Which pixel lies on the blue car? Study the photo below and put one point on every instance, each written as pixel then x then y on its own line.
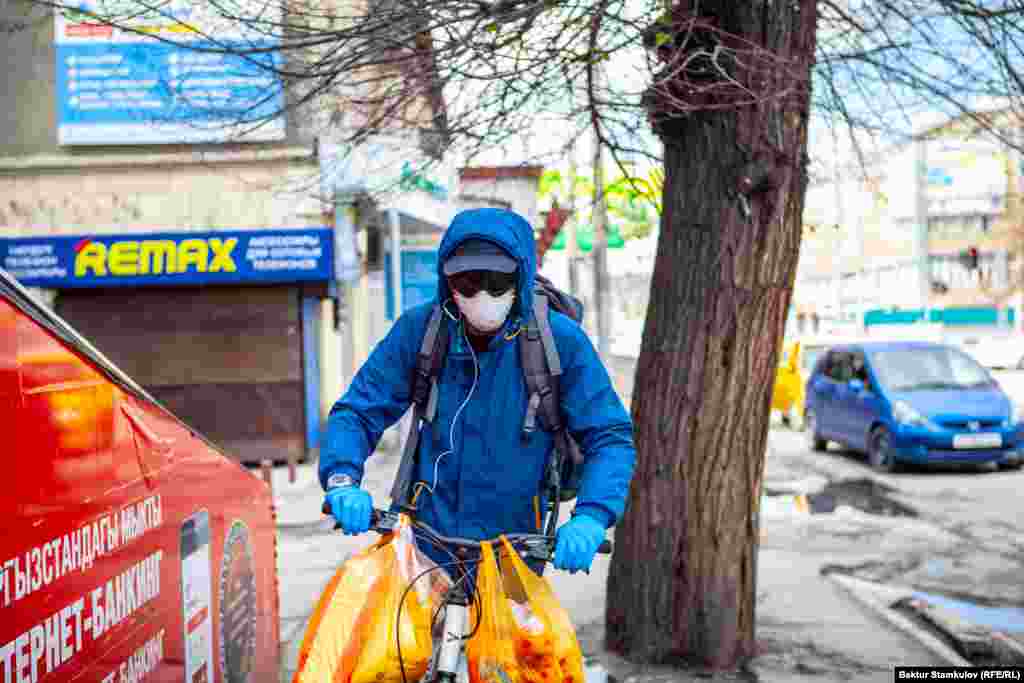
pixel 911 402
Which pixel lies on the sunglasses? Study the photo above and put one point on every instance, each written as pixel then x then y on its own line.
pixel 469 282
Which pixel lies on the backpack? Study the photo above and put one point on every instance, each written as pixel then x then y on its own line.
pixel 542 371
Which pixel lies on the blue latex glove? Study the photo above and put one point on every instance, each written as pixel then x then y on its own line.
pixel 351 506
pixel 576 542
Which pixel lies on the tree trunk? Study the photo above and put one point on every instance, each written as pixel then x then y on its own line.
pixel 682 582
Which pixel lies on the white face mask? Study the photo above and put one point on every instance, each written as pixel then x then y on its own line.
pixel 484 312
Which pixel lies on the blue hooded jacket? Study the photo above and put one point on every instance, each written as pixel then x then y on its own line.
pixel 486 476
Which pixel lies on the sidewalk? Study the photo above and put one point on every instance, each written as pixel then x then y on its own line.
pixel 809 626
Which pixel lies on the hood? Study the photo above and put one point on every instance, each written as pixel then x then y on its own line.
pixel 972 404
pixel 508 230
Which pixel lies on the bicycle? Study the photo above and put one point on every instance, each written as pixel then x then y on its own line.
pixel 448 649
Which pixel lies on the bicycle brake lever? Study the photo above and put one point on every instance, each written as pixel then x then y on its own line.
pixel 546 552
pixel 381 521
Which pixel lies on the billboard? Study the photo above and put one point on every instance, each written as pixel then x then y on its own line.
pixel 177 73
pixel 176 259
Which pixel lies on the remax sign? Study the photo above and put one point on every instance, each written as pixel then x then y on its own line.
pixel 193 258
pixel 144 257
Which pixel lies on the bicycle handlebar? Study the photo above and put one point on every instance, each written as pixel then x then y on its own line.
pixel 538 546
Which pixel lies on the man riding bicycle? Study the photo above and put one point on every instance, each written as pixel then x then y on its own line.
pixel 477 472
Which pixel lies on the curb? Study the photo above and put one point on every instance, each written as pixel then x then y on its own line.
pixel 1008 649
pixel 289 648
pixel 866 593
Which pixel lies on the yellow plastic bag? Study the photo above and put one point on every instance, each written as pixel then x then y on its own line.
pixel 351 635
pixel 529 640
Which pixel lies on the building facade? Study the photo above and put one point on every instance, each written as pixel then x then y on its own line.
pixel 930 226
pixel 198 253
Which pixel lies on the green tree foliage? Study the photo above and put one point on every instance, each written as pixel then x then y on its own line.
pixel 634 201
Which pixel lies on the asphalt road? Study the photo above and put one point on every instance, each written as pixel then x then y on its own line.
pixel 958 533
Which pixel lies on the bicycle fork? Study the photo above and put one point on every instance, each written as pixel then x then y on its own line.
pixel 445 666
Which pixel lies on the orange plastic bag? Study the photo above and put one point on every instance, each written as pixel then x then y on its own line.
pixel 351 637
pixel 524 640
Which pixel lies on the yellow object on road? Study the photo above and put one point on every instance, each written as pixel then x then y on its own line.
pixel 788 393
pixel 782 505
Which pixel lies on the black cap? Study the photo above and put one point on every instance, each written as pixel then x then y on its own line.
pixel 476 254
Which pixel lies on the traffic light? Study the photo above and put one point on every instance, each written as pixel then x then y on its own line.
pixel 553 222
pixel 969 258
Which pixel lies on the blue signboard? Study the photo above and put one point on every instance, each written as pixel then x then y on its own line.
pixel 177 259
pixel 173 74
pixel 419 279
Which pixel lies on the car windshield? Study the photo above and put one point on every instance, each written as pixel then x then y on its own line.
pixel 924 368
pixel 810 357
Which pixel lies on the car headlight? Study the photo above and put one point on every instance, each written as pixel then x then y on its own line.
pixel 904 414
pixel 1016 414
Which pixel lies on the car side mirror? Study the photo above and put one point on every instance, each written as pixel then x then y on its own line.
pixel 856 385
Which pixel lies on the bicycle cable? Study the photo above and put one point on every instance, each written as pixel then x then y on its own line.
pixel 398 618
pixel 405 593
pixel 433 538
pixel 461 564
pixel 455 419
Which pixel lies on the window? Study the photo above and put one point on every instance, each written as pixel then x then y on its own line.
pixel 915 369
pixel 958 226
pixel 839 367
pixel 810 356
pixel 859 369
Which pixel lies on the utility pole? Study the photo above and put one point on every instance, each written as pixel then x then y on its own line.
pixel 396 262
pixel 921 231
pixel 571 246
pixel 342 182
pixel 348 271
pixel 339 188
pixel 837 261
pixel 600 221
pixel 395 225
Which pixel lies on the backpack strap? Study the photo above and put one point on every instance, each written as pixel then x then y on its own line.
pixel 539 382
pixel 540 309
pixel 542 371
pixel 429 362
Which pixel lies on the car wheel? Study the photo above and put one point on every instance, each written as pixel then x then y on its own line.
pixel 795 420
pixel 880 452
pixel 814 440
pixel 1011 465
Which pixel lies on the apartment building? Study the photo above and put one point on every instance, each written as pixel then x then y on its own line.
pixel 951 200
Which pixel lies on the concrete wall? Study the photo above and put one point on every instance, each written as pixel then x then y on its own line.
pixel 27 110
pixel 56 199
pixel 519 193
